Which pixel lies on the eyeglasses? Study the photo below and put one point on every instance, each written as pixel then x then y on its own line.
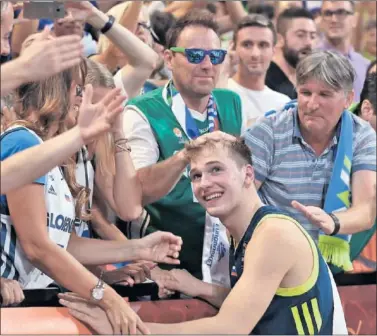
pixel 339 13
pixel 197 56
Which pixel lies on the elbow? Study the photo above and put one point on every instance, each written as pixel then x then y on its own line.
pixel 35 251
pixel 371 215
pixel 130 214
pixel 151 63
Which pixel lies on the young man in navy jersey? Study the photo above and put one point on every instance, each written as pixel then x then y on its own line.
pixel 280 282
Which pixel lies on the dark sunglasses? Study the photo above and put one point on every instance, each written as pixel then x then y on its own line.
pixel 197 56
pixel 340 13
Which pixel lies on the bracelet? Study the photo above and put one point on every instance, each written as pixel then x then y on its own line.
pixel 108 24
pixel 121 140
pixel 120 149
pixel 337 224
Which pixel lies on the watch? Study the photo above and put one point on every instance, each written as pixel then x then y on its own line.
pixel 99 290
pixel 336 224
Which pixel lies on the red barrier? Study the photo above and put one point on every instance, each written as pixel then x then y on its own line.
pixel 57 321
pixel 359 305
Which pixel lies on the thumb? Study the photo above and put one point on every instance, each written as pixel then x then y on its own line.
pixel 45 33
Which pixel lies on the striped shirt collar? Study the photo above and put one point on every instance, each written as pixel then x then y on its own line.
pixel 297 132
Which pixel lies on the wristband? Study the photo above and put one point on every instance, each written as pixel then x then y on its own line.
pixel 108 24
pixel 337 224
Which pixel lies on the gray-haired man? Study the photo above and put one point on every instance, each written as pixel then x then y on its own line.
pixel 295 151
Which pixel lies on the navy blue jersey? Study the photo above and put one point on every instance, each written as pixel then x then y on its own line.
pixel 304 310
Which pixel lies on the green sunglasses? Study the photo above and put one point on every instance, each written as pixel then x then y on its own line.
pixel 197 56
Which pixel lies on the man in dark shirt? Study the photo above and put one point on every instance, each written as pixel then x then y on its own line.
pixel 297 36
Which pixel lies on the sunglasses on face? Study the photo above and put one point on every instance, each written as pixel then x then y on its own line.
pixel 197 56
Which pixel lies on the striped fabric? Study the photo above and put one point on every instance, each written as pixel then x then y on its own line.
pixel 288 167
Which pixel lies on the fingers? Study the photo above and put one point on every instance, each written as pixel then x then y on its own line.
pixel 113 322
pixel 87 95
pixel 300 207
pixel 6 295
pixel 119 101
pixel 11 292
pixel 132 327
pixel 18 294
pixel 142 327
pixel 73 297
pixel 110 97
pixel 80 316
pixel 111 115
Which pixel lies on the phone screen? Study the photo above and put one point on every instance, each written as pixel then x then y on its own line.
pixel 44 10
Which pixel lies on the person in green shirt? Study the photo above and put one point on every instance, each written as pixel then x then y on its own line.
pixel 157 126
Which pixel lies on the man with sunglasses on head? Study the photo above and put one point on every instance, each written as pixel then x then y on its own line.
pixel 338 24
pixel 158 125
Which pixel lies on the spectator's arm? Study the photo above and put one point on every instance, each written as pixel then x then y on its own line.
pixel 105 229
pixel 43 58
pixel 156 183
pixel 126 202
pixel 235 10
pixel 28 209
pixel 225 24
pixel 13 74
pixel 20 32
pixel 141 58
pixel 362 214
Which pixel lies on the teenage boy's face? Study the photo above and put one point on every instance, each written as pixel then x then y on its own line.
pixel 218 181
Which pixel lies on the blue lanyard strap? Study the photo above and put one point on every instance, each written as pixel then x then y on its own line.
pixel 191 126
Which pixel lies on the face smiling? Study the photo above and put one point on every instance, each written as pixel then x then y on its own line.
pixel 218 181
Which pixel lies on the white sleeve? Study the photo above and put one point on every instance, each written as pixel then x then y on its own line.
pixel 141 139
pixel 119 82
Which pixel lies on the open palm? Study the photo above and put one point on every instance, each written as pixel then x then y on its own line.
pixel 98 118
pixel 161 247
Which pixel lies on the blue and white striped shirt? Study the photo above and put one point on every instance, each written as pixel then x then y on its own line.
pixel 289 169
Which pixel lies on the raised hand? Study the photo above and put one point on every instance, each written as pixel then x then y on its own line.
pixel 161 247
pixel 98 118
pixel 78 10
pixel 47 56
pixel 316 216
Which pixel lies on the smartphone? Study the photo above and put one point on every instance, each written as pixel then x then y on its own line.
pixel 44 10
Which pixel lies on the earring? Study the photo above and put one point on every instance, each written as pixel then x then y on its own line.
pixel 76 108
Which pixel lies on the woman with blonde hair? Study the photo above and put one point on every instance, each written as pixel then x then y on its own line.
pixel 104 167
pixel 37 256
